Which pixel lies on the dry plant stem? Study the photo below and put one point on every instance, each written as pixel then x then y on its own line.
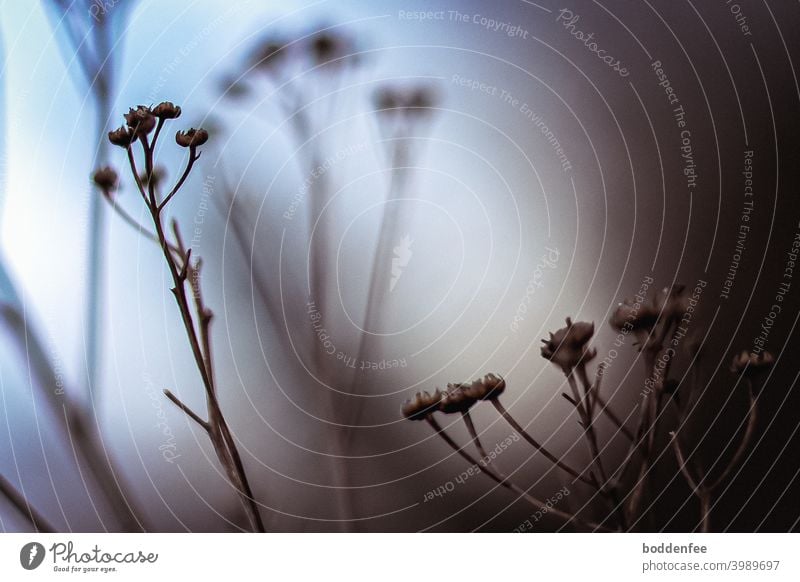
pixel 243 241
pixel 467 417
pixel 74 421
pixel 38 521
pixel 605 408
pixel 301 124
pixel 178 260
pixel 650 411
pixel 378 284
pixel 317 275
pixel 588 427
pixel 318 278
pixel 702 493
pixel 535 444
pixel 705 512
pixel 591 434
pixel 702 490
pixel 752 421
pixel 569 518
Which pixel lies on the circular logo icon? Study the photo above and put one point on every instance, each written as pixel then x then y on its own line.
pixel 31 555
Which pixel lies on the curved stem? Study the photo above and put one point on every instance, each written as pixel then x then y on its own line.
pixel 705 511
pixel 752 421
pixel 605 408
pixel 588 428
pixel 550 457
pixel 193 157
pixel 682 463
pixel 597 399
pixel 467 417
pixel 507 484
pixel 197 334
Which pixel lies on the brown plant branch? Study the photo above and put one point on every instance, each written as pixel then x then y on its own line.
pixel 196 323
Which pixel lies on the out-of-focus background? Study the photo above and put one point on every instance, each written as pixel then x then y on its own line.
pixel 535 182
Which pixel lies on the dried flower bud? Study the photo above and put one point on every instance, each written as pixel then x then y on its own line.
pixel 324 47
pixel 121 137
pixel 420 101
pixel 140 121
pixel 487 388
pixel 421 405
pixel 455 399
pixel 567 347
pixel 268 56
pixel 633 316
pixel 106 179
pixel 387 100
pixel 191 138
pixel 751 364
pixel 167 110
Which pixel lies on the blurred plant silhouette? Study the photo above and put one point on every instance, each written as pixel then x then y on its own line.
pixel 87 42
pixel 618 495
pixel 305 75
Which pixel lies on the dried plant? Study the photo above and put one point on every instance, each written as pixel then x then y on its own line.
pixel 657 326
pixel 304 75
pixel 89 35
pixel 402 113
pixel 141 123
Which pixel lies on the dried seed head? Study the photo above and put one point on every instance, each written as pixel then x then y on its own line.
pixel 268 56
pixel 387 100
pixel 455 399
pixel 567 347
pixel 106 180
pixel 633 316
pixel 140 121
pixel 324 47
pixel 167 110
pixel 121 137
pixel 420 101
pixel 421 405
pixel 488 388
pixel 191 138
pixel 751 364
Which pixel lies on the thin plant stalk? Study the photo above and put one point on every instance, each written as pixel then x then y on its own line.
pixel 196 322
pixel 539 505
pixel 649 415
pixel 700 488
pixel 605 408
pixel 591 436
pixel 587 421
pixel 752 421
pixel 378 284
pixel 702 493
pixel 72 419
pixel 539 447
